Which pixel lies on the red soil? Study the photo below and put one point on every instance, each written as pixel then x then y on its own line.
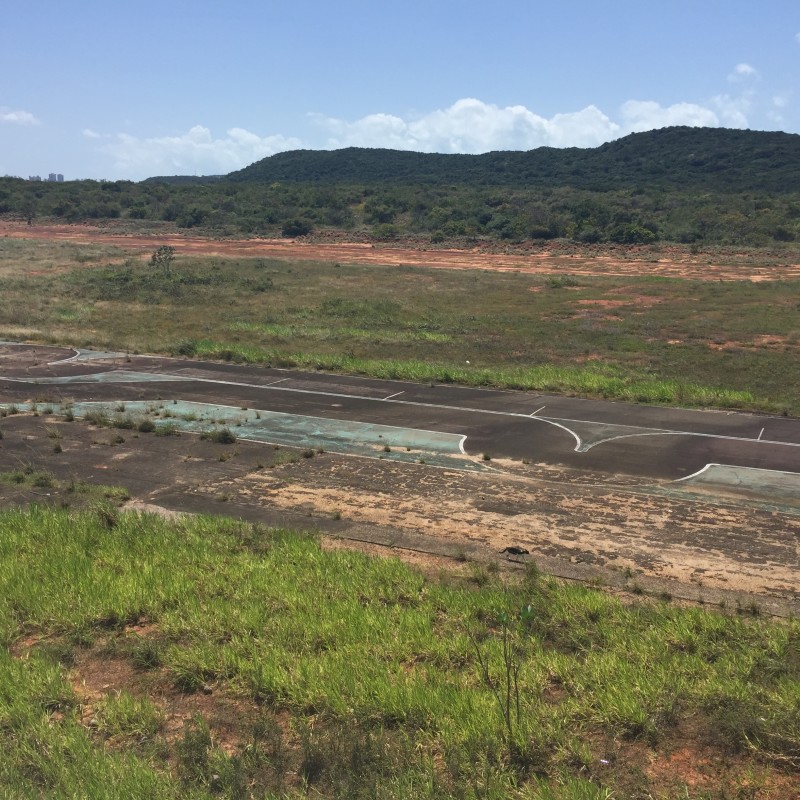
pixel 670 261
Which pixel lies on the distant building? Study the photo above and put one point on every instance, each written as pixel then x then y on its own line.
pixel 34 177
pixel 51 177
pixel 60 178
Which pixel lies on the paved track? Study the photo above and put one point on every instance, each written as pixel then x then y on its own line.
pixel 604 437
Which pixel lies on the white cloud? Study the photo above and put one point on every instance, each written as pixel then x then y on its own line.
pixel 17 117
pixel 779 103
pixel 742 72
pixel 467 126
pixel 194 152
pixel 733 111
pixel 646 115
pixel 472 126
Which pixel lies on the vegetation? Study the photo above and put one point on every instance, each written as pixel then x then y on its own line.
pixel 207 658
pixel 302 672
pixel 79 491
pixel 690 185
pixel 732 344
pixel 709 159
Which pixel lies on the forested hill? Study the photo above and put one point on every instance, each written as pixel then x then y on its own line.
pixel 714 159
pixel 688 185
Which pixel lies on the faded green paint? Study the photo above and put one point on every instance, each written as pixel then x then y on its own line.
pixel 114 376
pixel 293 430
pixel 749 480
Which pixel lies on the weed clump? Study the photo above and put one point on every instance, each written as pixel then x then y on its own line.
pixel 219 436
pixel 97 418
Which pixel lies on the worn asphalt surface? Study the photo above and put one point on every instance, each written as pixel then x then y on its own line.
pixel 600 436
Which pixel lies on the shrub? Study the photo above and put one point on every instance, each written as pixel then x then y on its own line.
pixel 296 227
pixel 219 436
pixel 185 348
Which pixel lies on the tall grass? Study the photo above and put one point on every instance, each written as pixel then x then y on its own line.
pixel 603 382
pixel 363 651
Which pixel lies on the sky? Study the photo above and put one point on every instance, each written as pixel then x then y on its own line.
pixel 126 90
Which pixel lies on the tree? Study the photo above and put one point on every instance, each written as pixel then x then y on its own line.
pixel 296 227
pixel 29 208
pixel 163 258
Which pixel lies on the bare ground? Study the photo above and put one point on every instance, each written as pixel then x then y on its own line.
pixel 529 258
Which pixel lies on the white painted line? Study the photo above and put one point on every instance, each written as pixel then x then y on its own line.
pixel 399 402
pixel 461 444
pixel 760 434
pixel 695 474
pixel 280 380
pixel 555 421
pixel 691 433
pixel 537 411
pixel 66 360
pixel 393 395
pixel 550 421
pixel 578 442
pixel 661 432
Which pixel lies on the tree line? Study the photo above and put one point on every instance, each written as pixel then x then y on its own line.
pixel 675 185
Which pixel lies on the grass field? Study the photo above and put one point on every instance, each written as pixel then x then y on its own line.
pixel 732 344
pixel 212 658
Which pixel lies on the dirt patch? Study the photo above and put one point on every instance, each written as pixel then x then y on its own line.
pixel 703 768
pixel 603 303
pixel 526 258
pixel 687 541
pixel 766 342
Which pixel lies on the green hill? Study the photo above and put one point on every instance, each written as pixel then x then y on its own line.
pixel 714 159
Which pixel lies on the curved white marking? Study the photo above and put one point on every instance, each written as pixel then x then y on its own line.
pixel 49 363
pixel 66 360
pixel 695 474
pixel 692 433
pixel 461 444
pixel 578 442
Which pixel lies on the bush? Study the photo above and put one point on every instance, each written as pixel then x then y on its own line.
pixel 296 227
pixel 185 348
pixel 632 234
pixel 219 436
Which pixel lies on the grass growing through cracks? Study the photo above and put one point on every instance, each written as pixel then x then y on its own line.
pixel 368 679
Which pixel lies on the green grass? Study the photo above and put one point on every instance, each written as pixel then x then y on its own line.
pixel 592 382
pixel 733 344
pixel 28 476
pixel 374 670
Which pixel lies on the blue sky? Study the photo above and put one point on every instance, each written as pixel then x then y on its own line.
pixel 122 89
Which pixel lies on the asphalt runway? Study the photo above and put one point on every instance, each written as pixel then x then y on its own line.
pixel 606 438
